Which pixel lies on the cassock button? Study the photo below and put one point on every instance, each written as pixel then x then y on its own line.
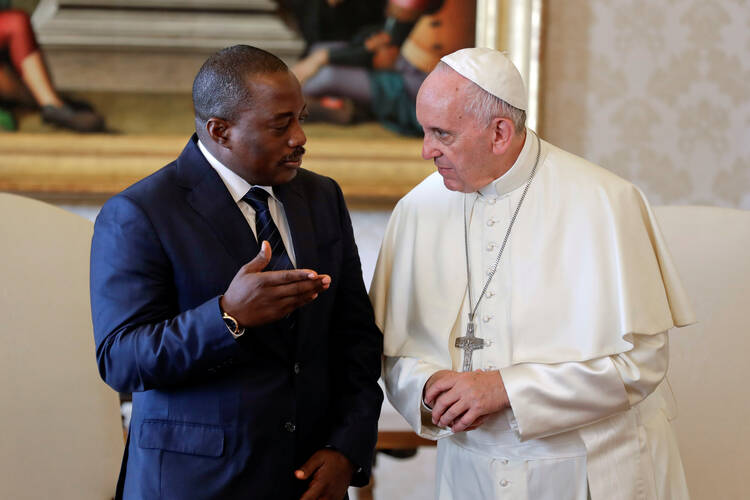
pixel 489 294
pixel 297 368
pixel 491 201
pixel 487 318
pixel 491 222
pixel 504 483
pixel 290 427
pixel 491 246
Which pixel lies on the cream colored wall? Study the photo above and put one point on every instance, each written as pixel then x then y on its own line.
pixel 657 91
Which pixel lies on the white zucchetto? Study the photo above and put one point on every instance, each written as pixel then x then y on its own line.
pixel 492 71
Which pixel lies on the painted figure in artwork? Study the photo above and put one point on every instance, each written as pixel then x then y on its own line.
pixel 25 79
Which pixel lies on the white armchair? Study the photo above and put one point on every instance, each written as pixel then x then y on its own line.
pixel 709 360
pixel 60 431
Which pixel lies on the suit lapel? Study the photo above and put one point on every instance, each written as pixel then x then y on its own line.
pixel 210 198
pixel 301 228
pixel 300 225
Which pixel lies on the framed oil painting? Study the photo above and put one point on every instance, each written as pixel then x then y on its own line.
pixel 133 62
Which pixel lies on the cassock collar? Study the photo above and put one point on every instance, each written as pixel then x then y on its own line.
pixel 236 185
pixel 517 175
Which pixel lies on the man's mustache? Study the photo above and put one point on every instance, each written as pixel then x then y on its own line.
pixel 295 155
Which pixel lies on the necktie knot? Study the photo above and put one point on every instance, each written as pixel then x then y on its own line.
pixel 265 229
pixel 257 198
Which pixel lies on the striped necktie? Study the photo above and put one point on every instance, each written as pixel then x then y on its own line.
pixel 266 229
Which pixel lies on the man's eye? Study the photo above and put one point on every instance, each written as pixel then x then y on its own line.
pixel 302 118
pixel 441 134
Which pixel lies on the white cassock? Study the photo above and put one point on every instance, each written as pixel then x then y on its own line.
pixel 576 315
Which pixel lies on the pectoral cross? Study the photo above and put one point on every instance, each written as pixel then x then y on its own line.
pixel 469 344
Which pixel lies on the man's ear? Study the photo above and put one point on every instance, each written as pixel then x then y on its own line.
pixel 503 131
pixel 219 130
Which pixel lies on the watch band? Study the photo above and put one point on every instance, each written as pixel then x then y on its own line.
pixel 232 325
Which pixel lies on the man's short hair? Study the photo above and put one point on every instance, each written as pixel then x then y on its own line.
pixel 220 88
pixel 485 106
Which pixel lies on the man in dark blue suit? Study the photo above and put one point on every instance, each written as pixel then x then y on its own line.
pixel 227 296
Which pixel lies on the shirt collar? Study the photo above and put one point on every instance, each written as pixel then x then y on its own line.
pixel 517 175
pixel 236 185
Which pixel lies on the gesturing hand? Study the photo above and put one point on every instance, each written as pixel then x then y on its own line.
pixel 331 473
pixel 255 298
pixel 463 400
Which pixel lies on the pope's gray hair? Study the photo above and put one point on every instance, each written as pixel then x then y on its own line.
pixel 485 106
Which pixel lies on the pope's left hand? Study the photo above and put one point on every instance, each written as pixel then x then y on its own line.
pixel 331 473
pixel 460 400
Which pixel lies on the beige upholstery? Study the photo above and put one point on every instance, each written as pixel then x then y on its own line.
pixel 60 433
pixel 709 360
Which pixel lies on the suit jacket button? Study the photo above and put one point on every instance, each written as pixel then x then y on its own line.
pixel 290 427
pixel 297 367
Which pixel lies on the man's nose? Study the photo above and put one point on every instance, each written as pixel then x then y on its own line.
pixel 298 137
pixel 428 150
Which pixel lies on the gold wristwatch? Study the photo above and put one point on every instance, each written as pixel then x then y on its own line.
pixel 232 325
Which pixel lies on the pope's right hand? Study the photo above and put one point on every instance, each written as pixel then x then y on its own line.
pixel 463 400
pixel 255 297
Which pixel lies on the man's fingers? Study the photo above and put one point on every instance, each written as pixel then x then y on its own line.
pixel 438 387
pixel 280 278
pixel 308 468
pixel 443 402
pixel 261 260
pixel 287 305
pixel 466 420
pixel 431 395
pixel 307 471
pixel 298 289
pixel 452 413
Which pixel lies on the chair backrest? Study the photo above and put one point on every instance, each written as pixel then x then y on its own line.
pixel 60 431
pixel 709 360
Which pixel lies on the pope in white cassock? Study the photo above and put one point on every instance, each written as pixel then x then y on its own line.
pixel 525 296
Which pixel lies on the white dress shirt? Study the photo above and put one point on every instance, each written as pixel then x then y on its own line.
pixel 238 187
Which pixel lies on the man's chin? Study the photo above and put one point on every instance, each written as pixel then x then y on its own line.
pixel 287 173
pixel 451 184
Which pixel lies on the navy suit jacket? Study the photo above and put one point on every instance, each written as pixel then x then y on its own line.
pixel 214 417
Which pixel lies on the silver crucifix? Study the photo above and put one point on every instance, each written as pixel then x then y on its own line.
pixel 469 344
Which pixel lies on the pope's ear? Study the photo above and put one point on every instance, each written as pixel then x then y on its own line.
pixel 218 129
pixel 503 131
